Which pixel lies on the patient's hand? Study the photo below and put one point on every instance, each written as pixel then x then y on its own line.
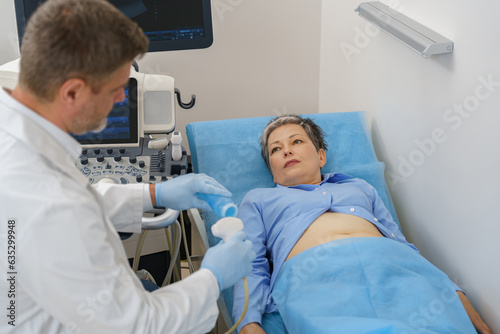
pixel 252 328
pixel 478 323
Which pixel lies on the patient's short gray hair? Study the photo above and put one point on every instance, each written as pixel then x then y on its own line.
pixel 313 131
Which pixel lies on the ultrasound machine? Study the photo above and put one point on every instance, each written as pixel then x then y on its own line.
pixel 135 146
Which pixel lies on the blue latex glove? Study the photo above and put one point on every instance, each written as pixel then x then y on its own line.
pixel 179 192
pixel 230 261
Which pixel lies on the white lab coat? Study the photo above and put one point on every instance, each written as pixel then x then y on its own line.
pixel 71 273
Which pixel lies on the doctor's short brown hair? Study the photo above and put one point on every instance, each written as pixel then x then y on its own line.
pixel 87 39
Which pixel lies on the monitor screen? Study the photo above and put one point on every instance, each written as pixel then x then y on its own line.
pixel 169 24
pixel 122 126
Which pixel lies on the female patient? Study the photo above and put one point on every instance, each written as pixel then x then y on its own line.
pixel 330 258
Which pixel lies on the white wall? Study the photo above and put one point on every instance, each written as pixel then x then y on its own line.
pixel 9 45
pixel 445 190
pixel 264 61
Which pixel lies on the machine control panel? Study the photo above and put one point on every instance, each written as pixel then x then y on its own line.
pixel 123 165
pixel 107 169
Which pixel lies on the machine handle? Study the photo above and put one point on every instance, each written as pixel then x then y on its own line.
pixel 164 220
pixel 182 104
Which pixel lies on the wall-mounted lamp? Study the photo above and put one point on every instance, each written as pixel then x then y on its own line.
pixel 421 39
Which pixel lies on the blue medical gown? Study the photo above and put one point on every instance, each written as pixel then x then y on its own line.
pixel 275 218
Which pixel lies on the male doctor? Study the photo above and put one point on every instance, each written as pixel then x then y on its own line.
pixel 63 266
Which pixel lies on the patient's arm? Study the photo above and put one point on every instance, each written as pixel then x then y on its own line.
pixel 478 323
pixel 252 328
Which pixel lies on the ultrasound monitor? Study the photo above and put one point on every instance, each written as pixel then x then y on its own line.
pixel 169 24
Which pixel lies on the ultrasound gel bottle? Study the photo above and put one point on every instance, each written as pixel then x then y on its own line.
pixel 222 206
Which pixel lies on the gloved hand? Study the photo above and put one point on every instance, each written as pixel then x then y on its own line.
pixel 230 261
pixel 179 192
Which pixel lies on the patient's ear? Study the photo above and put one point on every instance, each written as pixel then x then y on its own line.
pixel 322 157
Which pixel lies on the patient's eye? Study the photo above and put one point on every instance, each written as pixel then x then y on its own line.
pixel 297 141
pixel 275 149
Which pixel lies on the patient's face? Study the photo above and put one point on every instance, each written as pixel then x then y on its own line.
pixel 293 157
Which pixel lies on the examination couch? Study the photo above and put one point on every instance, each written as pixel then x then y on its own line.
pixel 229 151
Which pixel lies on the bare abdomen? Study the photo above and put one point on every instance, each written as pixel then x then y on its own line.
pixel 332 226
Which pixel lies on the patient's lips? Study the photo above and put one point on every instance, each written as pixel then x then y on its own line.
pixel 291 163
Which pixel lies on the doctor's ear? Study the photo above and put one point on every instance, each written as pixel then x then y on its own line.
pixel 71 90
